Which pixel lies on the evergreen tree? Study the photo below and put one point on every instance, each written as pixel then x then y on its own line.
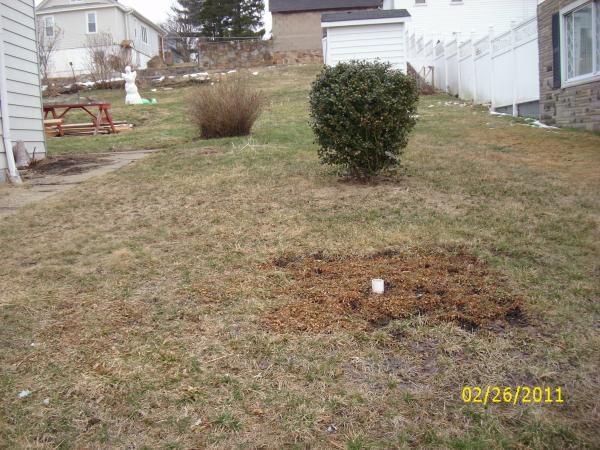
pixel 187 12
pixel 247 18
pixel 232 18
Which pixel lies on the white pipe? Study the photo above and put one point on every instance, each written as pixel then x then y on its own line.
pixel 10 158
pixel 378 286
pixel 130 40
pixel 127 32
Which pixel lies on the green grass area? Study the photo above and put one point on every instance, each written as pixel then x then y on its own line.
pixel 156 126
pixel 134 303
pixel 168 125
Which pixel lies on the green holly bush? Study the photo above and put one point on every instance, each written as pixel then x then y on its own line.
pixel 362 114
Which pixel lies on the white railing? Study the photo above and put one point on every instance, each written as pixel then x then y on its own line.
pixel 499 70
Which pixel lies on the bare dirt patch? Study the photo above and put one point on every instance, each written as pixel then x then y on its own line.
pixel 334 292
pixel 67 165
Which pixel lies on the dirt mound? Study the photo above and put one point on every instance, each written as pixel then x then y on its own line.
pixel 67 165
pixel 335 292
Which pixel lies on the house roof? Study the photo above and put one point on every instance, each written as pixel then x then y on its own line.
pixel 283 6
pixel 66 3
pixel 365 15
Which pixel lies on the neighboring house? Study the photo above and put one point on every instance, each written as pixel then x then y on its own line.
pixel 297 23
pixel 443 19
pixel 366 35
pixel 20 94
pixel 569 43
pixel 78 21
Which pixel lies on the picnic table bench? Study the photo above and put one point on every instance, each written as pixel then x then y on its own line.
pixel 99 119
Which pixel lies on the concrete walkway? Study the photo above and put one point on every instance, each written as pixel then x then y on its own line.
pixel 38 186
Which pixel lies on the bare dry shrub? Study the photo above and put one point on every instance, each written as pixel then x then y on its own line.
pixel 105 58
pixel 226 109
pixel 48 38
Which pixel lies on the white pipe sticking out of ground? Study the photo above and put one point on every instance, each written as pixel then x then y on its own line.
pixel 378 286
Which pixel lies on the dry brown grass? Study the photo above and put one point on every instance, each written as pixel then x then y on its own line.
pixel 228 108
pixel 143 294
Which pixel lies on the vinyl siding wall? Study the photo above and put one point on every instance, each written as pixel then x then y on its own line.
pixel 443 18
pixel 17 24
pixel 72 44
pixel 385 42
pixel 147 49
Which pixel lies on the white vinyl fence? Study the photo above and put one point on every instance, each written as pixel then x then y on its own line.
pixel 500 70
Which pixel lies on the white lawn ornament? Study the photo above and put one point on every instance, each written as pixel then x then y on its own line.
pixel 133 96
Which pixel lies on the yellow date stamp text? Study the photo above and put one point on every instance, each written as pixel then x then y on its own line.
pixel 515 395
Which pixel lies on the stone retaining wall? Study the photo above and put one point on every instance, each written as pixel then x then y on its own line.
pixel 255 53
pixel 214 57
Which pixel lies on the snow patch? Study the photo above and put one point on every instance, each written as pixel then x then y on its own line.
pixel 24 394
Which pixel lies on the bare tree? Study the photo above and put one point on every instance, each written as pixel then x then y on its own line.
pixel 180 39
pixel 105 57
pixel 48 37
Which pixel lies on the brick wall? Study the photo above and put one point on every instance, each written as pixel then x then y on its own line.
pixel 576 106
pixel 245 54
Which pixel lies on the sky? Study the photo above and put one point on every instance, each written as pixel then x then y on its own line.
pixel 155 10
pixel 158 10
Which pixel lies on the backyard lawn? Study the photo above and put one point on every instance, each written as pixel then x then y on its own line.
pixel 214 294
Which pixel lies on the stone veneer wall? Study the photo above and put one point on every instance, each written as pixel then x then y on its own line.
pixel 245 54
pixel 575 106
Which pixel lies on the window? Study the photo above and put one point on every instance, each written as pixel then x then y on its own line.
pixel 580 38
pixel 92 26
pixel 144 35
pixel 49 26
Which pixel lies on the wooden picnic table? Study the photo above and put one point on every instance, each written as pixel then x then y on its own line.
pixel 98 120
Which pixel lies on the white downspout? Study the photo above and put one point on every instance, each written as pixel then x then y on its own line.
pixel 128 35
pixel 10 158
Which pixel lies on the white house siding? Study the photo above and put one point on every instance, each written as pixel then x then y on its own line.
pixel 110 18
pixel 145 50
pixel 17 27
pixel 385 42
pixel 71 46
pixel 441 19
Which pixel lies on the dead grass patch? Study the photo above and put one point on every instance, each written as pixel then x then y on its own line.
pixel 334 292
